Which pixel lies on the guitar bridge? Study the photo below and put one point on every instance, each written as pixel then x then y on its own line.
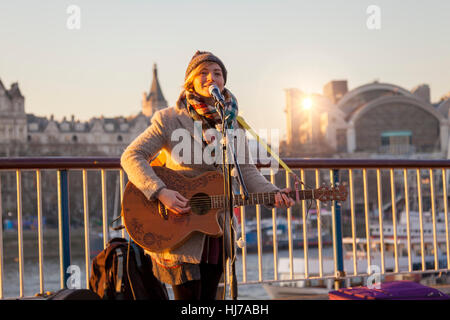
pixel 162 211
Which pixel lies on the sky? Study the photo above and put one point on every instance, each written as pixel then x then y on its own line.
pixel 104 66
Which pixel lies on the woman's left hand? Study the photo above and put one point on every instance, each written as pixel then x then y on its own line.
pixel 282 200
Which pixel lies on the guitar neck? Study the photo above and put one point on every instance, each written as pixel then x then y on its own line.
pixel 265 198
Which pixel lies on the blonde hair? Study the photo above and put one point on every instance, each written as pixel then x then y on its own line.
pixel 189 81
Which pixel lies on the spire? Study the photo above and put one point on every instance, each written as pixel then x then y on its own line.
pixel 154 100
pixel 155 71
pixel 155 90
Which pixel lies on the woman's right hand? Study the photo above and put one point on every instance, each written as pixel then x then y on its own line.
pixel 174 201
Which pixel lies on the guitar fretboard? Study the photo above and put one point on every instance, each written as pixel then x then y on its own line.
pixel 265 198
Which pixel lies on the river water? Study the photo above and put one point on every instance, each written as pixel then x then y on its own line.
pixel 52 274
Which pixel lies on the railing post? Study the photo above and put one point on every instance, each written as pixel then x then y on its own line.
pixel 337 234
pixel 20 230
pixel 1 241
pixel 64 225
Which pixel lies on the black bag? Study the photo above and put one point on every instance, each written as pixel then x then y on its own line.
pixel 65 294
pixel 74 294
pixel 123 271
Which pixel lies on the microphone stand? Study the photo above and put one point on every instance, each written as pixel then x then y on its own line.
pixel 228 201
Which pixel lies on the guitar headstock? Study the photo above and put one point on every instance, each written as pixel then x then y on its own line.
pixel 326 193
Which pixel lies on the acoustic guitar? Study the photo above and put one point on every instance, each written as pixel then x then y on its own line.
pixel 156 229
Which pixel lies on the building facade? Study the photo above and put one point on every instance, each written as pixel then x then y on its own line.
pixel 23 134
pixel 370 121
pixel 373 121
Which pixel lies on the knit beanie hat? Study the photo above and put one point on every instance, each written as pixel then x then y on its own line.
pixel 203 56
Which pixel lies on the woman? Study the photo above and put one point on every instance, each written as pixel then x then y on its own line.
pixel 193 269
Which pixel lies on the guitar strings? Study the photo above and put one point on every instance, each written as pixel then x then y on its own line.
pixel 256 196
pixel 219 199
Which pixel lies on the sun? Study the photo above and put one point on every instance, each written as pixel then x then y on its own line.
pixel 307 103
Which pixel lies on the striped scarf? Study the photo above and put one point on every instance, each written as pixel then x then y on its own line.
pixel 200 111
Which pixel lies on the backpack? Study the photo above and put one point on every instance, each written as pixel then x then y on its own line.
pixel 64 294
pixel 73 294
pixel 122 271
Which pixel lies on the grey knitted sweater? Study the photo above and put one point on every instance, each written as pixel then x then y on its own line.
pixel 166 128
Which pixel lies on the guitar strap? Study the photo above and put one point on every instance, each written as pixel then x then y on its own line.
pixel 297 180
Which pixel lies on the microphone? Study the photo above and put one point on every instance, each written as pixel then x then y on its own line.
pixel 215 93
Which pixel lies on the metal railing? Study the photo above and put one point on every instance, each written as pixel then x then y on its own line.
pixel 367 251
pixel 62 167
pixel 310 247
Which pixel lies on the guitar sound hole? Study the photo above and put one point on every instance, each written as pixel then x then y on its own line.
pixel 200 203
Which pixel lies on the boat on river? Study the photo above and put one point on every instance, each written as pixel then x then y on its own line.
pixel 319 277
